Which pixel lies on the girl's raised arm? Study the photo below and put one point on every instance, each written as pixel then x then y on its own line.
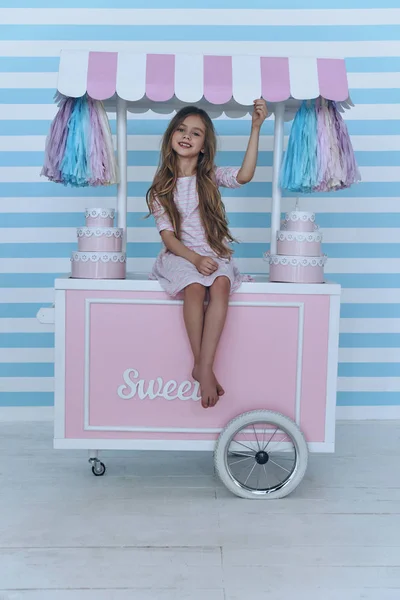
pixel 246 172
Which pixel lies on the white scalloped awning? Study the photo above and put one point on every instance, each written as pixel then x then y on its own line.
pixel 165 82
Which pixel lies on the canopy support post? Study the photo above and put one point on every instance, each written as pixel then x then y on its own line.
pixel 276 190
pixel 122 188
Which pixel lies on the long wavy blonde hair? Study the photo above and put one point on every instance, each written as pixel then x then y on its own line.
pixel 212 209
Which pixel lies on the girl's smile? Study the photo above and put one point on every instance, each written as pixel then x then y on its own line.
pixel 188 138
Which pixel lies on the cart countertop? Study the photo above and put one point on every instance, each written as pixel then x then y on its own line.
pixel 140 282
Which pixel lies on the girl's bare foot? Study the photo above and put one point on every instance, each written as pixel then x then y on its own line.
pixel 196 375
pixel 208 388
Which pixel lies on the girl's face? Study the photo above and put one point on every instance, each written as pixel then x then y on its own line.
pixel 188 139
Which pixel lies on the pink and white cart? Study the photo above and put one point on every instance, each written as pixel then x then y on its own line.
pixel 123 362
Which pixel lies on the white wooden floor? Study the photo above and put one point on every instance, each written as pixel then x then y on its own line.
pixel 159 526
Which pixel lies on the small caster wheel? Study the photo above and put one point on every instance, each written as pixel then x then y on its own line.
pixel 98 469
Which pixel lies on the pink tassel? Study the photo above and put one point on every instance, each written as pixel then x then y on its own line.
pixel 56 141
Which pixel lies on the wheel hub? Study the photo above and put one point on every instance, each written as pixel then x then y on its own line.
pixel 262 457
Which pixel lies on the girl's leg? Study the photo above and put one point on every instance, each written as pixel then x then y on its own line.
pixel 213 326
pixel 193 314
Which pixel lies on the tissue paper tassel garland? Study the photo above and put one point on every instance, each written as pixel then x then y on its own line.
pixel 79 147
pixel 319 157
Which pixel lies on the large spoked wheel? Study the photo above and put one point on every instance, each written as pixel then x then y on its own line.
pixel 261 455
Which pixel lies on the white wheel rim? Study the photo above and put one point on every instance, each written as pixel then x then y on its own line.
pixel 261 457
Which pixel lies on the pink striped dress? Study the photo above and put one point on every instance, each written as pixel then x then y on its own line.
pixel 175 273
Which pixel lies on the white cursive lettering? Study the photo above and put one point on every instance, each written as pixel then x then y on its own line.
pixel 129 383
pixel 150 393
pixel 156 388
pixel 169 388
pixel 185 387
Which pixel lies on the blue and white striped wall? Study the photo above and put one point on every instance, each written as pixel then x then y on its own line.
pixel 361 225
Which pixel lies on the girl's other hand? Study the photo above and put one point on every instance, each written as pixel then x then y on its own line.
pixel 205 265
pixel 260 112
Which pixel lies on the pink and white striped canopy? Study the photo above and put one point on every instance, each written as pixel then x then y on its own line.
pixel 148 80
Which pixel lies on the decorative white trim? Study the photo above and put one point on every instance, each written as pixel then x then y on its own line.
pixel 126 444
pixel 86 381
pixel 141 283
pixel 104 213
pixel 299 366
pixel 90 301
pixel 332 368
pixel 59 364
pixel 165 445
pixel 295 261
pixel 284 226
pixel 300 215
pixel 98 256
pixel 108 232
pixel 299 236
pixel 45 414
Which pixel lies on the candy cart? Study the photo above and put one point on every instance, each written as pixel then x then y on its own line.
pixel 122 360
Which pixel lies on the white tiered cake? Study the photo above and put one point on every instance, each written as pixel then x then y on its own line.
pixel 99 254
pixel 299 258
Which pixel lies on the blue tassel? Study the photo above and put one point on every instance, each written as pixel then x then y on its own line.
pixel 75 167
pixel 299 171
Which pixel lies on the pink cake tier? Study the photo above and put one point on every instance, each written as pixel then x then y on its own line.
pixel 98 265
pixel 299 243
pixel 299 220
pixel 296 269
pixel 100 239
pixel 99 217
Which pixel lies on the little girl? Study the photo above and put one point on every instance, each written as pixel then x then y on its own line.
pixel 190 215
